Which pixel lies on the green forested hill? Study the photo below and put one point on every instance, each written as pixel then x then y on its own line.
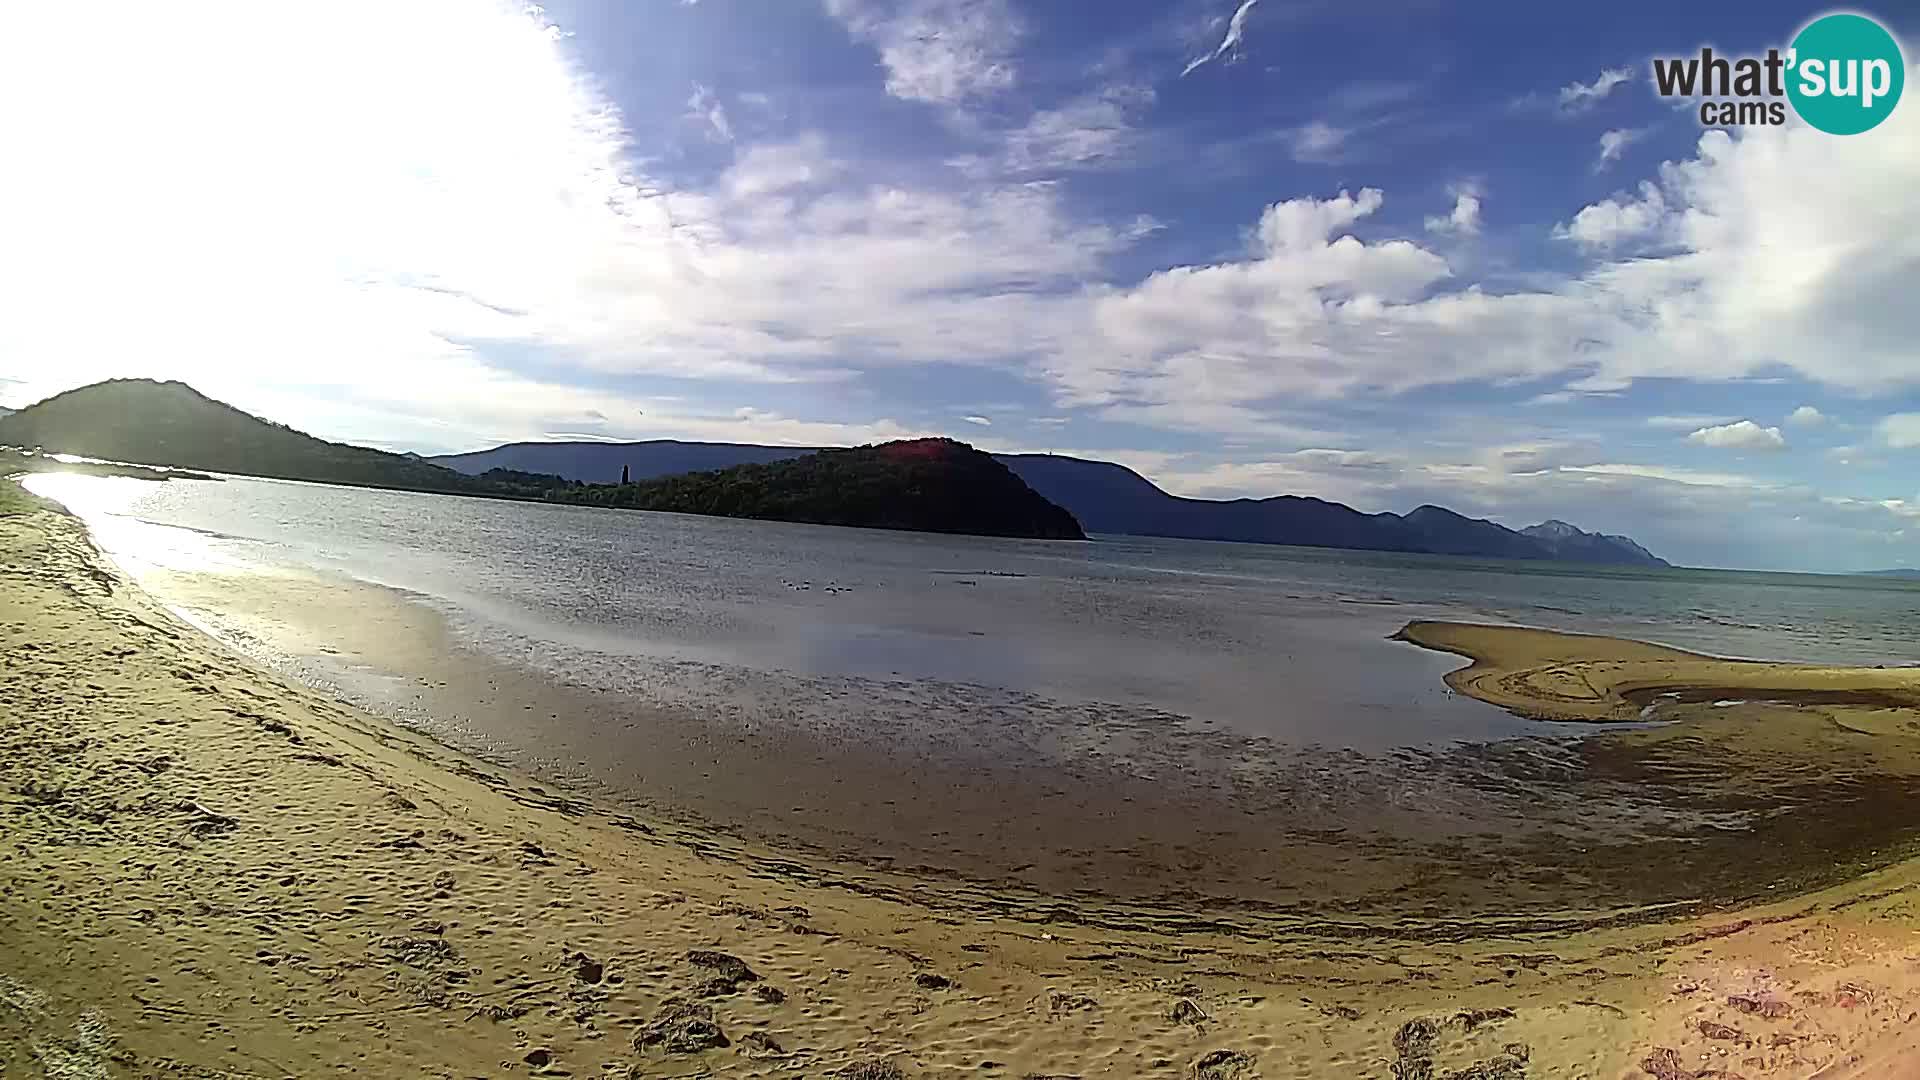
pixel 170 423
pixel 926 485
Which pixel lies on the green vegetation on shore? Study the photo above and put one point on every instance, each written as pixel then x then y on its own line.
pixel 924 485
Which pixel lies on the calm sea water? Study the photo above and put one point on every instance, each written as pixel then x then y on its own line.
pixel 1286 643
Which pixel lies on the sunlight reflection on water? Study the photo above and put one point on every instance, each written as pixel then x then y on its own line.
pixel 140 547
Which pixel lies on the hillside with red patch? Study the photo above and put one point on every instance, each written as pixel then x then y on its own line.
pixel 920 485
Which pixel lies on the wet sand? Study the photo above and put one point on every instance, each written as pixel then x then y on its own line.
pixel 1104 803
pixel 213 870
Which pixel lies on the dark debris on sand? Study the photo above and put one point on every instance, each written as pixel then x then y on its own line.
pixel 1223 1065
pixel 1413 1047
pixel 728 972
pixel 681 1027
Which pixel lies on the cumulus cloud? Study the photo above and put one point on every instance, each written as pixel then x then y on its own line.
pixel 1579 96
pixel 1311 310
pixel 1687 280
pixel 1464 220
pixel 1230 43
pixel 1806 416
pixel 1617 222
pixel 1614 143
pixel 941 52
pixel 1900 431
pixel 1739 435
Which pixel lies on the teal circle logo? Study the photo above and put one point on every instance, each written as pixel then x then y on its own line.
pixel 1845 74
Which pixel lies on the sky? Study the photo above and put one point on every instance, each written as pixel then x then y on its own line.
pixel 1386 253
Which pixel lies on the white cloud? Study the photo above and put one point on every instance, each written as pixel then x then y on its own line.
pixel 465 196
pixel 1721 269
pixel 704 109
pixel 1900 431
pixel 1614 143
pixel 1303 224
pixel 978 421
pixel 767 168
pixel 1318 472
pixel 1230 43
pixel 1688 422
pixel 1686 477
pixel 1090 131
pixel 1740 435
pixel 1311 310
pixel 942 52
pixel 1579 96
pixel 1617 222
pixel 1464 220
pixel 1806 416
pixel 1755 276
pixel 469 197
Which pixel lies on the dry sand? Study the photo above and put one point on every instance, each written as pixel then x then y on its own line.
pixel 208 871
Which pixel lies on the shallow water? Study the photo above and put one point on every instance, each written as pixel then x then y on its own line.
pixel 1123 717
pixel 1283 643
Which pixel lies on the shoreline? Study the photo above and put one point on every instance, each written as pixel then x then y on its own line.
pixel 1203 825
pixel 230 872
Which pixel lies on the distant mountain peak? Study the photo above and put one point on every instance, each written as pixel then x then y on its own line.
pixel 170 423
pixel 1577 545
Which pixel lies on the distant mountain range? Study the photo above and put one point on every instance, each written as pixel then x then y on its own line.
pixel 1111 498
pixel 139 420
pixel 1904 574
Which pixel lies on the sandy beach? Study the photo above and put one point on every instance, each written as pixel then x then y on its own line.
pixel 211 870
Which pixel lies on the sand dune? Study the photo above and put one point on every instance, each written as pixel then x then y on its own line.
pixel 209 871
